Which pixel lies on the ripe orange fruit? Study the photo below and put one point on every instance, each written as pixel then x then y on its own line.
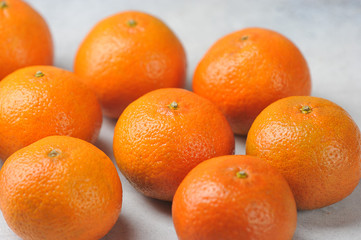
pixel 60 188
pixel 162 135
pixel 245 71
pixel 41 101
pixel 25 37
pixel 314 143
pixel 127 55
pixel 234 197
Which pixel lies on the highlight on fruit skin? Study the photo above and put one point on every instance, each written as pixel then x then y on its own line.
pixel 60 188
pixel 234 197
pixel 314 143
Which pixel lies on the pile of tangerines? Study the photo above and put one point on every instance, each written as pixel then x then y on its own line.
pixel 171 144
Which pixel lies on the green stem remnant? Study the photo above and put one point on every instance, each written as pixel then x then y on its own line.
pixel 39 74
pixel 244 38
pixel 132 23
pixel 305 109
pixel 53 153
pixel 3 5
pixel 242 174
pixel 173 105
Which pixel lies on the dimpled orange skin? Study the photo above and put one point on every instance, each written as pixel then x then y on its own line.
pixel 245 71
pixel 25 37
pixel 54 104
pixel 214 202
pixel 155 146
pixel 127 55
pixel 317 152
pixel 60 188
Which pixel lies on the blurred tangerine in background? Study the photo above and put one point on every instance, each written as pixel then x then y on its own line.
pixel 245 71
pixel 25 37
pixel 127 55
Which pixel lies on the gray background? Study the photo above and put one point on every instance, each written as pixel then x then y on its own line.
pixel 328 32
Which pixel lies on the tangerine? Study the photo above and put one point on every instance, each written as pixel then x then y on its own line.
pixel 314 143
pixel 127 55
pixel 162 135
pixel 60 188
pixel 40 101
pixel 234 197
pixel 25 37
pixel 245 71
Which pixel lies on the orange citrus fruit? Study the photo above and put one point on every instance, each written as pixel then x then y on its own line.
pixel 25 37
pixel 41 101
pixel 162 135
pixel 127 55
pixel 245 71
pixel 60 188
pixel 314 143
pixel 234 197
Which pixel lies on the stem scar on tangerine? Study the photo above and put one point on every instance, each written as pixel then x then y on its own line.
pixel 3 5
pixel 53 153
pixel 306 109
pixel 174 105
pixel 39 74
pixel 245 37
pixel 132 23
pixel 242 174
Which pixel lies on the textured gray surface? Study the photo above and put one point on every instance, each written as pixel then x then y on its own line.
pixel 326 31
